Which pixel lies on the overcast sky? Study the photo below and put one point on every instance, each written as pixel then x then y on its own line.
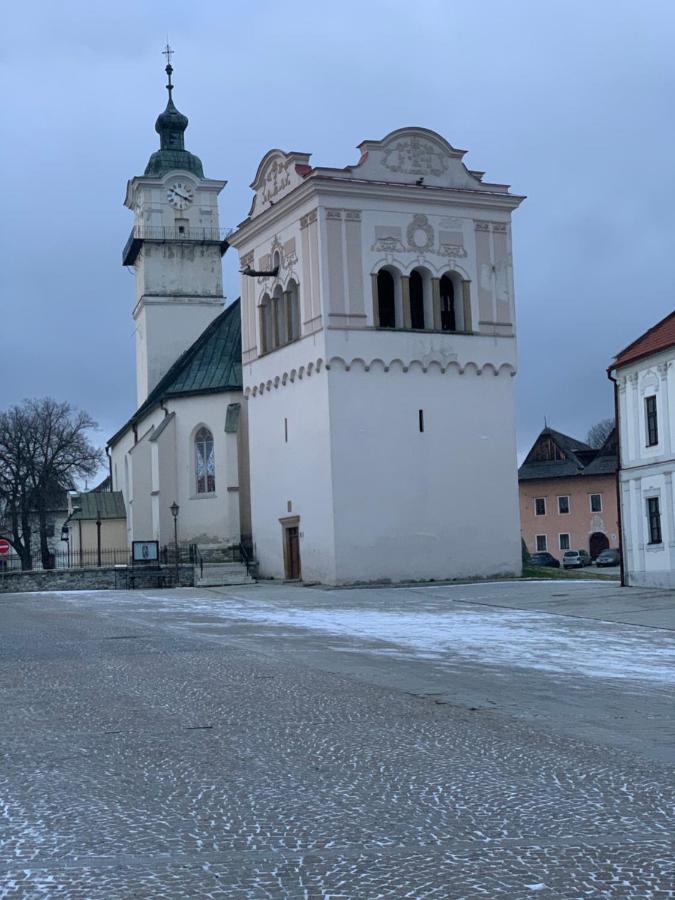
pixel 569 102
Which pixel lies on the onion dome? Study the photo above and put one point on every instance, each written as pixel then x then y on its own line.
pixel 170 126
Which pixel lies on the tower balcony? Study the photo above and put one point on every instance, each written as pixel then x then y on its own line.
pixel 161 234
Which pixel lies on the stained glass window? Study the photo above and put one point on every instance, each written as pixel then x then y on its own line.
pixel 205 463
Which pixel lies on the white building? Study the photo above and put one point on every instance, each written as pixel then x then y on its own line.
pixel 378 364
pixel 644 375
pixel 185 444
pixel 378 349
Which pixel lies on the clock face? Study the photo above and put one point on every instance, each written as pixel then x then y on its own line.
pixel 180 194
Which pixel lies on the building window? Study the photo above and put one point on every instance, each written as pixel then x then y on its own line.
pixel 541 542
pixel 564 541
pixel 540 506
pixel 205 463
pixel 563 505
pixel 652 422
pixel 596 503
pixel 386 299
pixel 266 325
pixel 421 419
pixel 292 311
pixel 448 311
pixel 654 517
pixel 416 287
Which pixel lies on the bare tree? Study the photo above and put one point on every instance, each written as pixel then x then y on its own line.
pixel 598 433
pixel 44 450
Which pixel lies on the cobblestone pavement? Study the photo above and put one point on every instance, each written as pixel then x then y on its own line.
pixel 146 754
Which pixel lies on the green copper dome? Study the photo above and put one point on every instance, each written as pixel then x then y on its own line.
pixel 170 126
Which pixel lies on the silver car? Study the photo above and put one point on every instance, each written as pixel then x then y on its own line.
pixel 576 559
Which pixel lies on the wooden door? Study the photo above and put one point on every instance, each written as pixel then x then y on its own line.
pixel 292 552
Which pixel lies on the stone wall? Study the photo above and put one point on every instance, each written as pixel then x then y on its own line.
pixel 104 578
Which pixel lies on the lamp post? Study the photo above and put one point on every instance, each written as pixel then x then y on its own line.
pixel 98 537
pixel 175 508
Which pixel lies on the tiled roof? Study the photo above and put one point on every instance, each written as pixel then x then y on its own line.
pixel 658 337
pixel 212 364
pixel 109 504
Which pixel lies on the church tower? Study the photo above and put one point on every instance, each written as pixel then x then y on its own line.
pixel 175 248
pixel 378 349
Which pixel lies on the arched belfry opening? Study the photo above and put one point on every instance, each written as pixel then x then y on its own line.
pixel 448 304
pixel 416 300
pixel 386 299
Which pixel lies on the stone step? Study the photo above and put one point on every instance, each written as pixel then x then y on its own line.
pixel 216 574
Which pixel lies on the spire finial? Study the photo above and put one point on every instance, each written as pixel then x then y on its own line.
pixel 168 52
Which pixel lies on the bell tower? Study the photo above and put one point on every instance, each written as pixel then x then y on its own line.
pixel 175 248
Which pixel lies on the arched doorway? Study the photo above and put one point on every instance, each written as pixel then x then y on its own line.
pixel 597 543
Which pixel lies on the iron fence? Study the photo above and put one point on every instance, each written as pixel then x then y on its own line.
pixel 69 559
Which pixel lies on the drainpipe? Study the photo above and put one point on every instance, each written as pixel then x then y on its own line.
pixel 618 474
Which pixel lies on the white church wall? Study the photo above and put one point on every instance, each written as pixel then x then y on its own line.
pixel 441 503
pixel 141 499
pixel 203 518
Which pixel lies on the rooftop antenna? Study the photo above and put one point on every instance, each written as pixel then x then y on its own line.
pixel 168 52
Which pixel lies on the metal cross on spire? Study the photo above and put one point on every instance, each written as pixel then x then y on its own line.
pixel 168 52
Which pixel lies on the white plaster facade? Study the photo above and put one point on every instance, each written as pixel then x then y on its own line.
pixel 154 465
pixel 647 469
pixel 175 248
pixel 179 282
pixel 392 450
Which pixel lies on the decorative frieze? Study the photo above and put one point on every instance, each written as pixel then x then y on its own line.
pixel 309 219
pixel 414 156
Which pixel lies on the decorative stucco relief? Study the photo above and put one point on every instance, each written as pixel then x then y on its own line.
pixel 307 220
pixel 420 234
pixel 275 179
pixel 388 239
pixel 415 156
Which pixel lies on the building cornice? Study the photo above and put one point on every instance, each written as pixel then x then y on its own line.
pixel 359 190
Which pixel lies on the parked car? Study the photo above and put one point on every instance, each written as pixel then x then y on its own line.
pixel 541 558
pixel 608 558
pixel 576 559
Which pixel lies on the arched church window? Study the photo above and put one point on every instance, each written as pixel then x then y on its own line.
pixel 448 310
pixel 205 462
pixel 386 299
pixel 293 311
pixel 416 287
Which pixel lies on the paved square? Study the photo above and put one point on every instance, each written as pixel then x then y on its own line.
pixel 509 740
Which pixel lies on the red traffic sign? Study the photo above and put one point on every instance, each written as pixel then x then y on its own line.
pixel 5 547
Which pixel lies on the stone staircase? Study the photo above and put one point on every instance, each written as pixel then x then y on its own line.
pixel 220 565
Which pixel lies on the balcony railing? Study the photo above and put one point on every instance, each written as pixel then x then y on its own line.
pixel 161 233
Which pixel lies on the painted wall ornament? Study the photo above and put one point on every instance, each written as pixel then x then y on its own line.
pixel 276 178
pixel 420 234
pixel 415 156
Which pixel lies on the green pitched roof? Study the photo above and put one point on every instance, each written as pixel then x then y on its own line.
pixel 107 504
pixel 211 365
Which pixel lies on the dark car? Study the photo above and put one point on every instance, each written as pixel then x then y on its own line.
pixel 541 558
pixel 608 558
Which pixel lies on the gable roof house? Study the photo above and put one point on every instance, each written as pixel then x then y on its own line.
pixel 568 495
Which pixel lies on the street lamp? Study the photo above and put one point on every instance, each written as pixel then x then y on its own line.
pixel 175 508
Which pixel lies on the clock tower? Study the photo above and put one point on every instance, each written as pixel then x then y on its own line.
pixel 175 248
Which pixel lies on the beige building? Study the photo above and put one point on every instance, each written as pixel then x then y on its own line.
pixel 568 495
pixel 97 519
